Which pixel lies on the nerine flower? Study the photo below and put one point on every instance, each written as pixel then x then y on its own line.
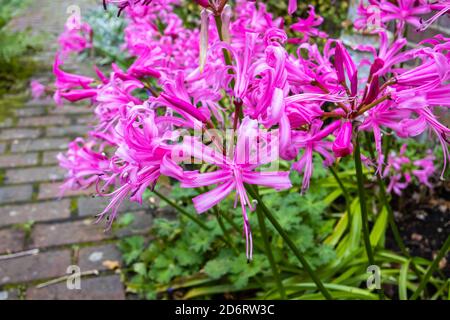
pixel 311 103
pixel 310 142
pixel 442 7
pixel 122 4
pixel 37 89
pixel 292 6
pixel 400 169
pixel 234 170
pixel 306 27
pixel 77 37
pixel 379 12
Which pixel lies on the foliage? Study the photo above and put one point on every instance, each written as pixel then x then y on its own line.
pixel 15 48
pixel 320 237
pixel 182 252
pixel 334 13
pixel 185 261
pixel 107 37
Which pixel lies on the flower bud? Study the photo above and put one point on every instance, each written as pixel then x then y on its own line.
pixel 226 18
pixel 204 29
pixel 203 3
pixel 292 6
pixel 343 146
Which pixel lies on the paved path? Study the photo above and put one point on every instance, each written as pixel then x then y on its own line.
pixel 31 215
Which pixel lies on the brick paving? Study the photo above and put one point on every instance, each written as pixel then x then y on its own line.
pixel 42 233
pixel 34 215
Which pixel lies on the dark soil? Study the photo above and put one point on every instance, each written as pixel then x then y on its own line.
pixel 423 217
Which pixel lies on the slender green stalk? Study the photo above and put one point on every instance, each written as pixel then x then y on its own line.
pixel 224 230
pixel 363 206
pixel 269 253
pixel 387 145
pixel 237 229
pixel 226 54
pixel 362 202
pixel 231 222
pixel 343 188
pixel 200 223
pixel 182 211
pixel 395 231
pixel 338 180
pixel 289 242
pixel 391 218
pixel 431 269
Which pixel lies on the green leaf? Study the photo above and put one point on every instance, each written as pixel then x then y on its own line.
pixel 165 228
pixel 356 226
pixel 338 231
pixel 185 256
pixel 379 229
pixel 125 220
pixel 402 281
pixel 217 268
pixel 242 270
pixel 131 248
pixel 140 268
pixel 218 289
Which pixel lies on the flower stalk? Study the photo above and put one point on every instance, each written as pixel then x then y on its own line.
pixel 200 223
pixel 391 218
pixel 432 268
pixel 362 201
pixel 298 254
pixel 269 253
pixel 363 205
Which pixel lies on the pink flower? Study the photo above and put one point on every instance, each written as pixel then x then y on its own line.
pixel 65 80
pixel 76 37
pixel 122 4
pixel 292 6
pixel 37 89
pixel 203 3
pixel 400 167
pixel 342 145
pixel 310 142
pixel 384 11
pixel 84 165
pixel 442 6
pixel 280 104
pixel 234 170
pixel 424 169
pixel 306 27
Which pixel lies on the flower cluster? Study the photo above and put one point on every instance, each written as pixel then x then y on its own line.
pixel 76 38
pixel 378 13
pixel 234 72
pixel 400 169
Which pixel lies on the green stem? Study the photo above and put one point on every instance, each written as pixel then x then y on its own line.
pixel 391 218
pixel 343 188
pixel 224 231
pixel 226 54
pixel 362 201
pixel 363 205
pixel 431 269
pixel 339 181
pixel 231 222
pixel 268 249
pixel 183 212
pixel 289 242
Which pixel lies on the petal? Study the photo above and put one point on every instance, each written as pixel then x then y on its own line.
pixel 276 180
pixel 193 179
pixel 207 200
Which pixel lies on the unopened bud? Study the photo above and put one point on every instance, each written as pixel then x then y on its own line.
pixel 204 29
pixel 203 3
pixel 226 18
